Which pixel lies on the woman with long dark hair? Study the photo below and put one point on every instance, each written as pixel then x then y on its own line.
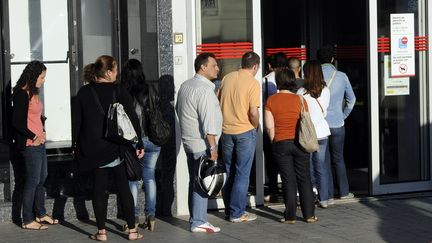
pixel 133 79
pixel 94 153
pixel 28 123
pixel 317 96
pixel 282 114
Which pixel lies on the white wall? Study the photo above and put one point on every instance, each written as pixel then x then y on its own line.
pixel 183 22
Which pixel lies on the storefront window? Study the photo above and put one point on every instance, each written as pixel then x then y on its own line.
pixel 403 95
pixel 39 31
pixel 224 27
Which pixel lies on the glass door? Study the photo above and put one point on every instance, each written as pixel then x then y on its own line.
pixel 142 35
pixel 229 29
pixel 400 110
pixel 39 31
pixel 95 32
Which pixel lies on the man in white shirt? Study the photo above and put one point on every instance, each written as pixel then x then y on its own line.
pixel 200 120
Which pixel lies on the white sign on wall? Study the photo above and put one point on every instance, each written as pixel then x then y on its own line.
pixel 402 45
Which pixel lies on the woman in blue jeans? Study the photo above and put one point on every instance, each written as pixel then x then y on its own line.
pixel 133 78
pixel 28 122
pixel 317 96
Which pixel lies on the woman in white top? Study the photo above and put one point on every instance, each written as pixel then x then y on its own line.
pixel 317 96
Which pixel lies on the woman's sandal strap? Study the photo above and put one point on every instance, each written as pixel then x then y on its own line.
pixel 50 220
pixel 41 227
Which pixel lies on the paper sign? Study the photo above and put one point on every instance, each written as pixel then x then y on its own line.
pixel 394 86
pixel 402 45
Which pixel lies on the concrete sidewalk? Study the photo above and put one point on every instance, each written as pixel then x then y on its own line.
pixel 394 219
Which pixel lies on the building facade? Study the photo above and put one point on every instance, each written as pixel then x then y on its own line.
pixel 382 45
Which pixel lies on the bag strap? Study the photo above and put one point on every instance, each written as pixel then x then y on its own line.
pixel 266 86
pixel 302 104
pixel 98 103
pixel 152 98
pixel 331 80
pixel 319 105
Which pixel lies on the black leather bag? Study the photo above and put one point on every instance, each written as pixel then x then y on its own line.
pixel 159 131
pixel 132 164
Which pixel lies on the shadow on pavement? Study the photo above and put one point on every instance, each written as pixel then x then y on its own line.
pixel 179 223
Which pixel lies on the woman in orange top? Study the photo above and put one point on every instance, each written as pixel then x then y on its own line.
pixel 29 139
pixel 282 114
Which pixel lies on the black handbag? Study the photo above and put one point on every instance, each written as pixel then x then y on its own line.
pixel 159 131
pixel 132 164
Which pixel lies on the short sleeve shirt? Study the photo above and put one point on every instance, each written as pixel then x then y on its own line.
pixel 285 108
pixel 239 91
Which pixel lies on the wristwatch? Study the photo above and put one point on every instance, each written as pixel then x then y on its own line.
pixel 213 148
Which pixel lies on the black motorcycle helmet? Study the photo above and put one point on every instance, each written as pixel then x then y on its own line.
pixel 211 176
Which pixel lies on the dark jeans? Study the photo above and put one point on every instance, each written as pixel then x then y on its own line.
pixel 100 196
pixel 335 159
pixel 293 164
pixel 34 191
pixel 17 161
pixel 270 166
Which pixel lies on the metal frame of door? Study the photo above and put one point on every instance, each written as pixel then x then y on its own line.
pixel 5 73
pixel 75 40
pixel 195 38
pixel 376 187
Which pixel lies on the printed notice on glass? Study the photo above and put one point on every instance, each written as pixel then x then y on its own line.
pixel 394 86
pixel 402 45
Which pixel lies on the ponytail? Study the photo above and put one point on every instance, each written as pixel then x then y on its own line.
pixel 89 75
pixel 99 68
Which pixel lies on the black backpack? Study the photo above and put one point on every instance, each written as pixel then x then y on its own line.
pixel 158 130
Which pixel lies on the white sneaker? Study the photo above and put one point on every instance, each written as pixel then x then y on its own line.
pixel 348 196
pixel 205 228
pixel 246 217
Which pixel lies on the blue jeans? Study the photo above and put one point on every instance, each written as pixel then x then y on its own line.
pixel 148 162
pixel 197 198
pixel 320 170
pixel 335 158
pixel 34 191
pixel 238 152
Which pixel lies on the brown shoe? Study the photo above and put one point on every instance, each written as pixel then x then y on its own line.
pixel 150 221
pixel 287 221
pixel 312 219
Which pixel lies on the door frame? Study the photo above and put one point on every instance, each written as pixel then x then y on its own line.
pixel 5 71
pixel 76 44
pixel 376 188
pixel 194 37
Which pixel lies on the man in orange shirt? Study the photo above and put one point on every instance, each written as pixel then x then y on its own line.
pixel 239 97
